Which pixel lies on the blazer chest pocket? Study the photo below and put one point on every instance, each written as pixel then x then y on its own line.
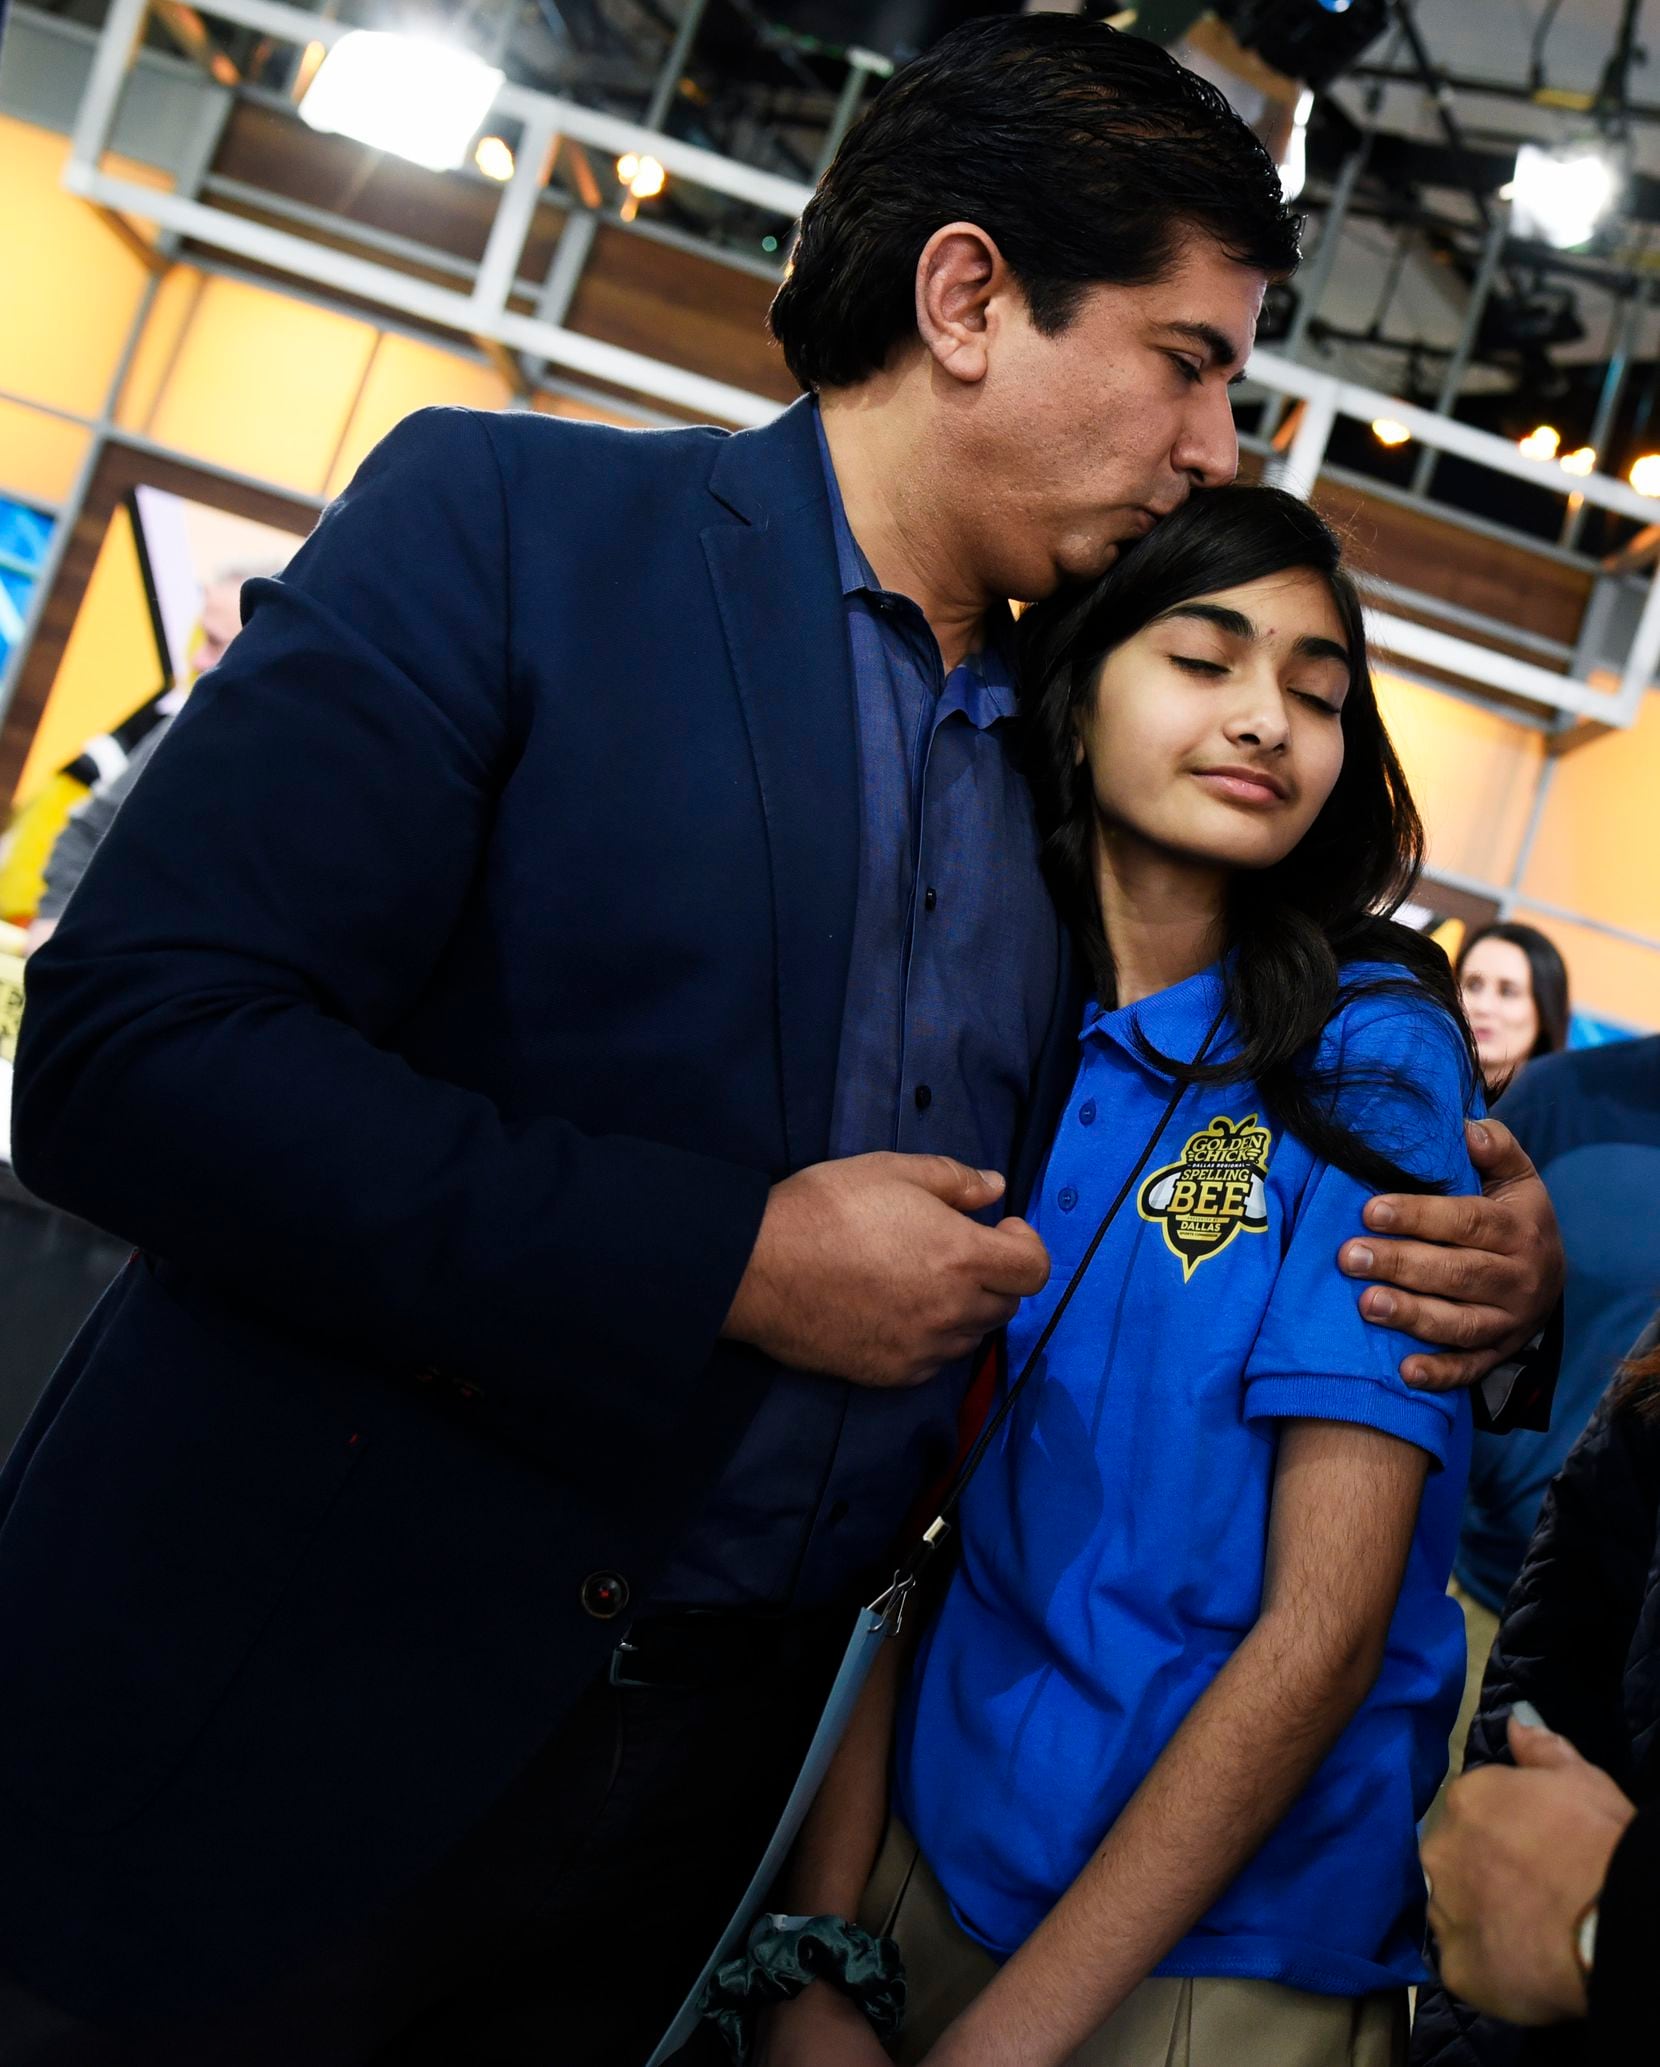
pixel 161 1515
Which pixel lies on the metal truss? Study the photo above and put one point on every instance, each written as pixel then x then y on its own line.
pixel 484 313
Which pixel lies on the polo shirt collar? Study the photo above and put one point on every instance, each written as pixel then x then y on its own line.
pixel 1175 1020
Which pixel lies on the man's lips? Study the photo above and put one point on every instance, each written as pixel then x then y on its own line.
pixel 1244 785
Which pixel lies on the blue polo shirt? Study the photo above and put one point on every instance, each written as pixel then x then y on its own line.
pixel 1113 1542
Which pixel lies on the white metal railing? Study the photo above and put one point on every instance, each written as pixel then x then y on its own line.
pixel 484 313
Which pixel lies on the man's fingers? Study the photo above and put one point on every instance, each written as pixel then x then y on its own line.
pixel 953 1183
pixel 1496 1153
pixel 1448 1372
pixel 1425 1269
pixel 1539 1747
pixel 1449 1323
pixel 1472 1221
pixel 1014 1260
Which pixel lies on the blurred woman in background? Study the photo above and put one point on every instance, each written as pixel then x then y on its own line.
pixel 1515 990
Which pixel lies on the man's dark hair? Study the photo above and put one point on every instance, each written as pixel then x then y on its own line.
pixel 1087 155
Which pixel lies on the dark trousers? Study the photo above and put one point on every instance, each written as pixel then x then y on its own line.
pixel 564 1932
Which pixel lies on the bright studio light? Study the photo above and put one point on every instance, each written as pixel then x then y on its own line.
pixel 1294 165
pixel 494 158
pixel 643 177
pixel 420 100
pixel 1388 431
pixel 1645 474
pixel 1580 463
pixel 1544 443
pixel 1560 196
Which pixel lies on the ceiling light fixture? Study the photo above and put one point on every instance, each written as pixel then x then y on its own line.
pixel 494 158
pixel 1560 196
pixel 417 99
pixel 643 177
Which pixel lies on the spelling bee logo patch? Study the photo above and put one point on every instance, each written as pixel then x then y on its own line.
pixel 1217 1190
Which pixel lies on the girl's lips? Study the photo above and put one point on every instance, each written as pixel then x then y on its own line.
pixel 1240 788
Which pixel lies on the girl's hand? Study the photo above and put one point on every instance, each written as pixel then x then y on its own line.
pixel 821 2028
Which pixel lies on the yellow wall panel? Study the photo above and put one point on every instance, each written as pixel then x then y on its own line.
pixel 72 288
pixel 158 346
pixel 1596 849
pixel 38 454
pixel 263 383
pixel 406 375
pixel 586 412
pixel 1472 773
pixel 1608 978
pixel 110 665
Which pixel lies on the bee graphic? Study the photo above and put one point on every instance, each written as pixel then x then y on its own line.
pixel 1217 1190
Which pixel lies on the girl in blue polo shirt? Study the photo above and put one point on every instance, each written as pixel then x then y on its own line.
pixel 1162 1753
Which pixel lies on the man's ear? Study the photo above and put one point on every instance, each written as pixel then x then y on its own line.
pixel 960 277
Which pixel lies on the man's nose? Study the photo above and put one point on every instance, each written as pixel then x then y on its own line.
pixel 1208 451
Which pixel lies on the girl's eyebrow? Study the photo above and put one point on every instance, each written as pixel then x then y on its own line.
pixel 1238 626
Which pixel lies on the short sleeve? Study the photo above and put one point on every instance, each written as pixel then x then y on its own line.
pixel 1407 1088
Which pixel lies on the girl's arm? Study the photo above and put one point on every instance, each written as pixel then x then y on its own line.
pixel 1345 1505
pixel 832 1862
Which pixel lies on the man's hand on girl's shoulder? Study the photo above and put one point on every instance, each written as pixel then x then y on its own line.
pixel 1480 1275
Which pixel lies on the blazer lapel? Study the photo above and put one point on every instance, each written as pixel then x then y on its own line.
pixel 774 574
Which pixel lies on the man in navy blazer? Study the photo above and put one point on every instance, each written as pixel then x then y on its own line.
pixel 555 1021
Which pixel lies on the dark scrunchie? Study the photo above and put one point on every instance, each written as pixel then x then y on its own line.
pixel 786 1954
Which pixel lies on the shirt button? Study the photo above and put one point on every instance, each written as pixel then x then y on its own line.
pixel 1086 1114
pixel 929 899
pixel 604 1595
pixel 1066 1198
pixel 924 1098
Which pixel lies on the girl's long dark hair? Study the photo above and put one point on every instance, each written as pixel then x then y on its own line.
pixel 1294 930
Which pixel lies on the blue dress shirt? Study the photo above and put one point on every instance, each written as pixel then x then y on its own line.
pixel 951 984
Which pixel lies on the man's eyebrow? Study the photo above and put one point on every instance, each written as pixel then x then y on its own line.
pixel 1219 347
pixel 1238 626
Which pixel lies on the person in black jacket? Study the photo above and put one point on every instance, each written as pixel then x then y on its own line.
pixel 1545 1874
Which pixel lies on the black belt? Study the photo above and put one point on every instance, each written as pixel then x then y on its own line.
pixel 690 1648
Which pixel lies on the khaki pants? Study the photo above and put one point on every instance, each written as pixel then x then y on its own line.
pixel 1163 2023
pixel 1481 1628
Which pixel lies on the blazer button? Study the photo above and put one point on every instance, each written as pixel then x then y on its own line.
pixel 604 1594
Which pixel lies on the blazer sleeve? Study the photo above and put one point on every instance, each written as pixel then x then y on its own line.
pixel 207 1062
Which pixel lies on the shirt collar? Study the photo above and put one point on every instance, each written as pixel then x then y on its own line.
pixel 853 570
pixel 1174 1021
pixel 989 692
